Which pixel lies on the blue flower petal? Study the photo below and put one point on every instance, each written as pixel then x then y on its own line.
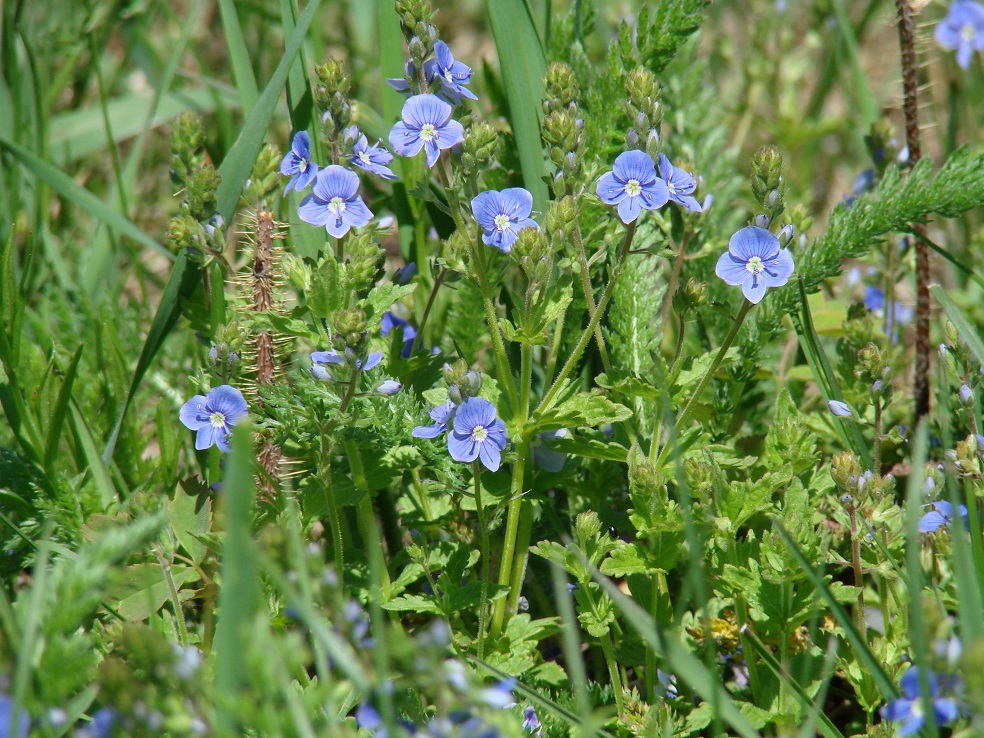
pixel 609 189
pixel 931 522
pixel 193 413
pixel 731 270
pixel 372 360
pixel 753 241
pixel 229 401
pixel 636 165
pixel 327 357
pixel 461 447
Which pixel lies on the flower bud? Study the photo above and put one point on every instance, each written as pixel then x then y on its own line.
pixel 966 394
pixel 840 409
pixel 405 273
pixel 786 234
pixel 389 388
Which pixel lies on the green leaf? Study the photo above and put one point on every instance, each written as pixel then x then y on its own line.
pixel 191 517
pixel 592 448
pixel 382 296
pixel 238 163
pixel 145 590
pixel 582 409
pixel 329 288
pixel 523 67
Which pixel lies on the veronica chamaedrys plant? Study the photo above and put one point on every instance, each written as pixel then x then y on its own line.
pixel 213 415
pixel 502 215
pixel 633 186
pixel 755 260
pixel 373 159
pixel 962 30
pixel 335 202
pixel 297 163
pixel 426 124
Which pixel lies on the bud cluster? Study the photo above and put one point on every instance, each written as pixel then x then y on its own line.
pixel 349 330
pixel 768 185
pixel 478 149
pixel 331 95
pixel 462 382
pixel 417 23
pixel 198 180
pixel 644 111
pixel 365 256
pixel 223 356
pixel 689 297
pixel 873 369
pixel 533 254
pixel 563 129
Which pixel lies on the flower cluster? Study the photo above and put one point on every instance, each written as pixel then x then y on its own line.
pixel 634 185
pixel 476 431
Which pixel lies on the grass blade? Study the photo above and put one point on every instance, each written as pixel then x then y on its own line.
pixel 99 470
pixel 75 193
pixel 239 597
pixel 239 57
pixel 523 66
pixel 960 322
pixel 180 286
pixel 239 161
pixel 57 422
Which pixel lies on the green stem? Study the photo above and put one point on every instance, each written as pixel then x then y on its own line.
pixel 173 594
pixel 609 649
pixel 592 324
pixel 438 281
pixel 522 554
pixel 484 534
pixel 728 340
pixel 512 529
pixel 589 297
pixel 368 528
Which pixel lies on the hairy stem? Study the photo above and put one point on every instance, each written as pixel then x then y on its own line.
pixel 484 535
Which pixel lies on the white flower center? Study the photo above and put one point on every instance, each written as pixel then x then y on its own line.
pixel 671 187
pixel 967 32
pixel 302 166
pixel 428 132
pixel 364 157
pixel 336 205
pixel 448 77
pixel 501 222
pixel 755 265
pixel 479 433
pixel 633 188
pixel 217 419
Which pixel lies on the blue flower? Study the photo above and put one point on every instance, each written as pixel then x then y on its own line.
pixel 442 415
pixel 213 416
pixel 6 713
pixel 405 273
pixel 372 159
pixel 681 184
pixel 939 516
pixel 531 723
pixel 391 321
pixel 427 125
pixel 756 261
pixel 544 456
pixel 908 707
pixel 452 74
pixel 633 185
pixel 874 300
pixel 500 694
pixel 962 29
pixel 477 434
pixel 332 357
pixel 503 214
pixel 297 163
pixel 335 203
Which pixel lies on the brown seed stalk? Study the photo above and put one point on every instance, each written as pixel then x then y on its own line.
pixel 910 84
